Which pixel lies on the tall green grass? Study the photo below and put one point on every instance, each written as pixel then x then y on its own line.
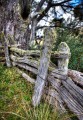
pixel 15 99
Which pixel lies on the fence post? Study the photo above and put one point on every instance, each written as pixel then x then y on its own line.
pixel 7 57
pixel 43 67
pixel 59 74
pixel 63 61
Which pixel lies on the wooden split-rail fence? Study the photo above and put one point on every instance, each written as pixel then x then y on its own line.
pixel 60 86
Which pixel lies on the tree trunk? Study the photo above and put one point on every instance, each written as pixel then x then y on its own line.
pixel 27 38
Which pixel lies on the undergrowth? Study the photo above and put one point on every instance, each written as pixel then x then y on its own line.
pixel 15 99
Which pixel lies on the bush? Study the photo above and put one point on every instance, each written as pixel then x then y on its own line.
pixel 76 47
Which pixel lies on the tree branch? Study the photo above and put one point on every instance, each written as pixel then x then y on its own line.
pixel 58 4
pixel 50 4
pixel 45 11
pixel 40 5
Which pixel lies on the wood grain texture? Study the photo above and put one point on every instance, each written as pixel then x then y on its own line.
pixel 43 68
pixel 76 76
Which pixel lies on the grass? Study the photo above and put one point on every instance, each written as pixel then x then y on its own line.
pixel 15 99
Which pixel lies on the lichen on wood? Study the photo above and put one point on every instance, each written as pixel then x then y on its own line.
pixel 44 65
pixel 24 52
pixel 63 62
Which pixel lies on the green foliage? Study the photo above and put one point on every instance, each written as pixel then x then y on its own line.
pixel 15 99
pixel 76 47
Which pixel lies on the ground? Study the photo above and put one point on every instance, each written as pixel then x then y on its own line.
pixel 15 99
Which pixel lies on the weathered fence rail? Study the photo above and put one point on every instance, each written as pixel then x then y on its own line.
pixel 57 84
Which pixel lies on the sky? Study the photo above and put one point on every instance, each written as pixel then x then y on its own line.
pixel 68 17
pixel 74 3
pixel 60 14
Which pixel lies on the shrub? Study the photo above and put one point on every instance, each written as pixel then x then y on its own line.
pixel 76 47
